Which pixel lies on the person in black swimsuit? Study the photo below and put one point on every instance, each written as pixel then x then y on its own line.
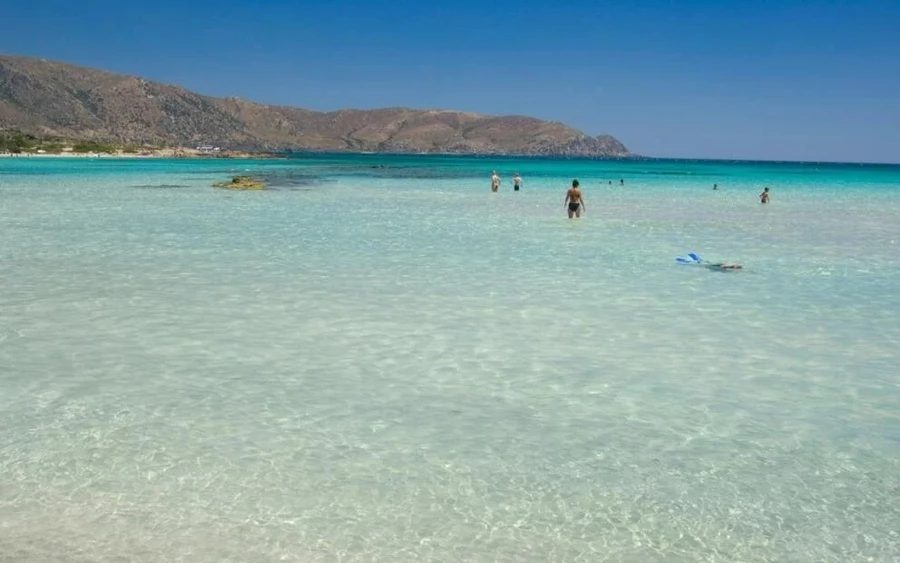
pixel 574 200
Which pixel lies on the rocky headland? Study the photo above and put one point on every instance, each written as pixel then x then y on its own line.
pixel 51 100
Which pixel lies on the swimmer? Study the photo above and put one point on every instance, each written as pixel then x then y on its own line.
pixel 495 181
pixel 517 182
pixel 574 200
pixel 764 196
pixel 715 186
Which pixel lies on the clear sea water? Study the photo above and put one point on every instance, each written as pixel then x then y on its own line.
pixel 379 360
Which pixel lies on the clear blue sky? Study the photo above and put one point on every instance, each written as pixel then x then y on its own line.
pixel 766 79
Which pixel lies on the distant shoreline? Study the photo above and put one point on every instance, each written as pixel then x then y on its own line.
pixel 147 153
pixel 287 154
pixel 193 154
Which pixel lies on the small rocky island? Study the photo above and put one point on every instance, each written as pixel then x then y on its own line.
pixel 242 183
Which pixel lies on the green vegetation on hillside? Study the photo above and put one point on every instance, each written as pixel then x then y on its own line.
pixel 93 146
pixel 18 142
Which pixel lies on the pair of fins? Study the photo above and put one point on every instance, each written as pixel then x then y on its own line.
pixel 691 258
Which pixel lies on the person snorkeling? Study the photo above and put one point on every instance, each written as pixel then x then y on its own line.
pixel 723 266
pixel 694 259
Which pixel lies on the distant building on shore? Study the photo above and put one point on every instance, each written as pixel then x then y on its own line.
pixel 208 148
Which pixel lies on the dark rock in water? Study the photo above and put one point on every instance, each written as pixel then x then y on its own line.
pixel 289 179
pixel 242 183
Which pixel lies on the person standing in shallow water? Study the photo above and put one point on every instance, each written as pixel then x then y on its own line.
pixel 517 182
pixel 764 196
pixel 574 200
pixel 495 181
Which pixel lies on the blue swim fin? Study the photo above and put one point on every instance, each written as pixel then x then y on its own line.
pixel 693 256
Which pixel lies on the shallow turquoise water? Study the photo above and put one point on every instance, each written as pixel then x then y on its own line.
pixel 394 364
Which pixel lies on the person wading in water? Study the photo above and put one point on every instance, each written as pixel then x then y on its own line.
pixel 574 200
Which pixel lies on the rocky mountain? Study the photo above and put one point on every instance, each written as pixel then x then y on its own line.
pixel 55 99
